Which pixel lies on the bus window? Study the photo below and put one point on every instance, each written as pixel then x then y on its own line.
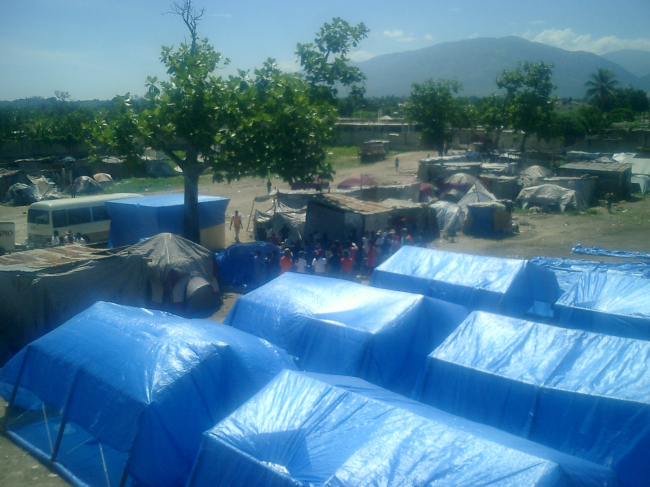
pixel 78 216
pixel 100 213
pixel 59 219
pixel 39 217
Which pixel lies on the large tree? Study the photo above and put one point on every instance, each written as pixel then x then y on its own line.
pixel 527 103
pixel 271 123
pixel 325 61
pixel 601 87
pixel 433 105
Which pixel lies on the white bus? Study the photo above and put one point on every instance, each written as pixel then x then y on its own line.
pixel 86 215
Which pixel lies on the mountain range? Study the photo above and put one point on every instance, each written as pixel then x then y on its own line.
pixel 478 62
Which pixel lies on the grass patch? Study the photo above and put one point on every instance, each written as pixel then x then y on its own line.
pixel 344 157
pixel 146 185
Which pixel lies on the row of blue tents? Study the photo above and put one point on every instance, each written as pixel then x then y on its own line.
pixel 457 375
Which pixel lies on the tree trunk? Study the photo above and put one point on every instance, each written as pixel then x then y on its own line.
pixel 191 173
pixel 523 142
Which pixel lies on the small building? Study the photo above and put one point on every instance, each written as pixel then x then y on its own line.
pixel 339 216
pixel 613 177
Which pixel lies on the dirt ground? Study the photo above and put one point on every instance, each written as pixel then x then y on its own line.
pixel 553 235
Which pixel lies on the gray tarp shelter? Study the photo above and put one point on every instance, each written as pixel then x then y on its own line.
pixel 551 197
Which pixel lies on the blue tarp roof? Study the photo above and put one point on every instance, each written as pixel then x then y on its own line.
pixel 312 429
pixel 582 393
pixel 341 327
pixel 599 251
pixel 142 384
pixel 133 219
pixel 236 263
pixel 569 271
pixel 507 286
pixel 607 302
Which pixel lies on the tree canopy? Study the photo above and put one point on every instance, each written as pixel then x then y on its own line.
pixel 601 87
pixel 433 105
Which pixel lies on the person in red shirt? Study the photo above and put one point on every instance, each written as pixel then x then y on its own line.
pixel 286 262
pixel 346 266
pixel 371 259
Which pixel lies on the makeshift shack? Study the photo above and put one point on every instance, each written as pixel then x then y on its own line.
pixel 431 169
pixel 487 220
pixel 450 216
pixel 502 187
pixel 476 194
pixel 640 170
pixel 613 177
pixel 584 186
pixel 607 302
pixel 321 430
pixel 581 393
pixel 43 288
pixel 508 286
pixel 138 218
pixel 339 216
pixel 341 327
pixel 550 197
pixel 10 177
pixel 124 394
pixel 533 174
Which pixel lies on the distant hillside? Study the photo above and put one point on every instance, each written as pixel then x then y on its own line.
pixel 478 62
pixel 635 61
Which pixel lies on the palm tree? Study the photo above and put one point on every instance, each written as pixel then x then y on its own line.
pixel 601 87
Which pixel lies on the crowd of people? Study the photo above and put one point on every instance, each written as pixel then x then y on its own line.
pixel 66 239
pixel 317 254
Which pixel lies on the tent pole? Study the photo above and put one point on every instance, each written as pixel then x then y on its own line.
pixel 14 392
pixel 123 477
pixel 59 437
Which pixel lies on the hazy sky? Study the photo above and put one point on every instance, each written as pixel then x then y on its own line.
pixel 100 48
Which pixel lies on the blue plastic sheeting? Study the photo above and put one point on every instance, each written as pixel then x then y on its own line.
pixel 581 393
pixel 133 219
pixel 312 429
pixel 340 327
pixel 607 302
pixel 569 271
pixel 508 286
pixel 141 385
pixel 236 263
pixel 579 249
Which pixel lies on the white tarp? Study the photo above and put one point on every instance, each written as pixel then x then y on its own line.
pixel 476 194
pixel 640 169
pixel 450 216
pixel 550 196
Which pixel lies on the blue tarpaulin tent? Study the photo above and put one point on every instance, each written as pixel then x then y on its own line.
pixel 582 393
pixel 569 271
pixel 506 286
pixel 312 429
pixel 341 327
pixel 607 302
pixel 133 219
pixel 236 263
pixel 128 392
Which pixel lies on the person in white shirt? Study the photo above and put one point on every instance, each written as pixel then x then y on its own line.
pixel 301 263
pixel 319 263
pixel 55 239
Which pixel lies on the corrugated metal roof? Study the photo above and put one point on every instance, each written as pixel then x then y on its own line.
pixel 597 166
pixel 355 205
pixel 49 257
